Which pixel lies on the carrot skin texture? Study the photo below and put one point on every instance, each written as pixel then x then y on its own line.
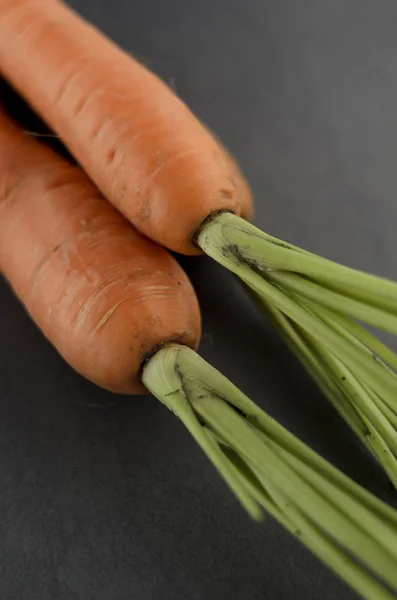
pixel 102 293
pixel 134 137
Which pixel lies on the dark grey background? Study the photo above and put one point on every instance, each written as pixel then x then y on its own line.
pixel 115 502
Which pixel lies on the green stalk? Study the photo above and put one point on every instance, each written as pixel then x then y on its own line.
pixel 341 303
pixel 344 391
pixel 308 533
pixel 313 302
pixel 267 253
pixel 350 530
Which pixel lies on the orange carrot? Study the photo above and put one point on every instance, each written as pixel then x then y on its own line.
pixel 134 137
pixel 102 293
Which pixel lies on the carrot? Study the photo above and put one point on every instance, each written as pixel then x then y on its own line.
pixel 135 138
pixel 170 177
pixel 102 293
pixel 114 305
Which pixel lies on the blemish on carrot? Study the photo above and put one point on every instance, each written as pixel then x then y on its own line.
pixel 94 295
pixel 158 158
pixel 227 194
pixel 107 315
pixel 233 182
pixel 151 298
pixel 154 288
pixel 218 157
pixel 123 262
pixel 136 273
pixel 111 156
pixel 122 193
pixel 81 104
pixel 146 209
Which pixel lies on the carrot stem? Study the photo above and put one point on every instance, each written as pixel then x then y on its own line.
pixel 269 254
pixel 374 425
pixel 315 303
pixel 350 530
pixel 308 533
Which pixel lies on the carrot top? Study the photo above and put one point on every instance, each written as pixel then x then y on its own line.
pixel 268 468
pixel 317 305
